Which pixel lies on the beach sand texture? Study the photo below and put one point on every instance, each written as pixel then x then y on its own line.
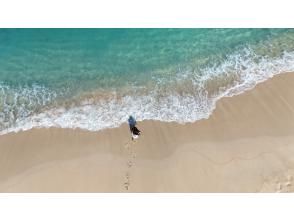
pixel 246 145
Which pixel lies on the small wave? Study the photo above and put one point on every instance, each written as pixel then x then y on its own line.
pixel 20 102
pixel 239 72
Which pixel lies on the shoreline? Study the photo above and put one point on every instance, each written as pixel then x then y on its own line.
pixel 246 145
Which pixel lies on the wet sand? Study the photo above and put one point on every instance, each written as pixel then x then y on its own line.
pixel 247 145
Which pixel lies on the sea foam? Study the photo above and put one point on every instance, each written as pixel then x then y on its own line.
pixel 246 68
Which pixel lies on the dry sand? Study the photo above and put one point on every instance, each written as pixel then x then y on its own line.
pixel 247 145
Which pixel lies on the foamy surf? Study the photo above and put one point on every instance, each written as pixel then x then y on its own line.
pixel 245 69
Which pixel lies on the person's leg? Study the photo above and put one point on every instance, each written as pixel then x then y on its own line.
pixel 136 131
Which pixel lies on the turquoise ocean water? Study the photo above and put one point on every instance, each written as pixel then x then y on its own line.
pixel 94 78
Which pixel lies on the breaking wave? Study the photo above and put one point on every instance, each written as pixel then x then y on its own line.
pixel 190 96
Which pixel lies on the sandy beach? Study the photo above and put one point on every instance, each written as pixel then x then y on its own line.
pixel 246 145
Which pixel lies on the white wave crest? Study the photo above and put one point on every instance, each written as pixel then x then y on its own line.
pixel 246 69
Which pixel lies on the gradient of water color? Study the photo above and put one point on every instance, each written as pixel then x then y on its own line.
pixel 94 78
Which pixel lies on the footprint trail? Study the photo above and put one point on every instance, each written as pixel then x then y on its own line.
pixel 130 163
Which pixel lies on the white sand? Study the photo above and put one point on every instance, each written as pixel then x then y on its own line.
pixel 247 145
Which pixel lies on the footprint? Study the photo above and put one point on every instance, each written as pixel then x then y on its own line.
pixel 288 184
pixel 279 186
pixel 127 182
pixel 127 146
pixel 289 180
pixel 130 164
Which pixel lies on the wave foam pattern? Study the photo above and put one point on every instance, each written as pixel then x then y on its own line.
pixel 21 102
pixel 246 69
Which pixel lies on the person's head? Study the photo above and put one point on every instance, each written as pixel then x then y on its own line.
pixel 131 118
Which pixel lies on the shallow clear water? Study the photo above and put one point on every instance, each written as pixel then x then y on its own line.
pixel 95 78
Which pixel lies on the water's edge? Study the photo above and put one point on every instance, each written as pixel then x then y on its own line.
pixel 19 129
